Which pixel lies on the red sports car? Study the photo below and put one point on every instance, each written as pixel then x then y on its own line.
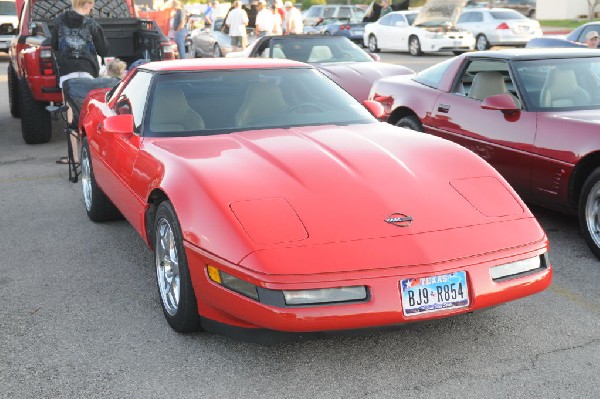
pixel 532 114
pixel 336 56
pixel 274 200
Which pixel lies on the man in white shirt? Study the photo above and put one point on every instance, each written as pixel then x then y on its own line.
pixel 294 24
pixel 264 20
pixel 236 21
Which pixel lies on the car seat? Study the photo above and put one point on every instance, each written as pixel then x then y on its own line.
pixel 487 83
pixel 319 54
pixel 262 99
pixel 562 90
pixel 171 112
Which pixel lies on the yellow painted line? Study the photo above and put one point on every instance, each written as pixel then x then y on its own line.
pixel 574 297
pixel 22 179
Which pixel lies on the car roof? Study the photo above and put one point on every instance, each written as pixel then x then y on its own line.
pixel 535 53
pixel 203 64
pixel 466 10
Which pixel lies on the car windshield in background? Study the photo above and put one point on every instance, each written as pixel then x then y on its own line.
pixel 8 8
pixel 560 84
pixel 224 101
pixel 318 50
pixel 507 15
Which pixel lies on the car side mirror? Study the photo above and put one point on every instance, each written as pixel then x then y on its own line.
pixel 375 57
pixel 374 108
pixel 504 102
pixel 119 124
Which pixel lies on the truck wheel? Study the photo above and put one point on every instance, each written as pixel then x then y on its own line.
pixel 36 124
pixel 589 212
pixel 13 91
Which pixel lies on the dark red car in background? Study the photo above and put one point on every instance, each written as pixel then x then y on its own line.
pixel 534 114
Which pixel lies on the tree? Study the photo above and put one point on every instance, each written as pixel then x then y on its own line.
pixel 592 4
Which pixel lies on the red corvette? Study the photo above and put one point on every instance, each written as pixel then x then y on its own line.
pixel 274 200
pixel 532 114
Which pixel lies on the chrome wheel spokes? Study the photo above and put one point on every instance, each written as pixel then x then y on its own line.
pixel 167 266
pixel 86 179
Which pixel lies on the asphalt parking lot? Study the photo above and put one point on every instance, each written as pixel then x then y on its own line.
pixel 81 317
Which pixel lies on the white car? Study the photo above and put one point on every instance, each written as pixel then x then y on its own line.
pixel 8 23
pixel 498 27
pixel 433 30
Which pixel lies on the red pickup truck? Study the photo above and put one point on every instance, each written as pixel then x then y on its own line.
pixel 32 77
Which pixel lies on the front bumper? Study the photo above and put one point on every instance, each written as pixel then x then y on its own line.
pixel 383 306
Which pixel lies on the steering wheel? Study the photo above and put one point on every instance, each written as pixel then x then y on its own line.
pixel 297 107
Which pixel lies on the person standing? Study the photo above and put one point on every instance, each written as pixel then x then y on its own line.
pixel 236 21
pixel 294 24
pixel 591 39
pixel 385 8
pixel 210 13
pixel 264 20
pixel 77 41
pixel 179 27
pixel 277 21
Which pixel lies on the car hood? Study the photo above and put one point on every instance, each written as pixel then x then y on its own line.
pixel 316 186
pixel 358 77
pixel 440 13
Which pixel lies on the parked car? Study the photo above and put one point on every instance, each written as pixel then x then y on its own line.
pixel 498 27
pixel 8 23
pixel 338 27
pixel 433 30
pixel 574 39
pixel 212 41
pixel 525 7
pixel 532 114
pixel 336 56
pixel 274 200
pixel 317 13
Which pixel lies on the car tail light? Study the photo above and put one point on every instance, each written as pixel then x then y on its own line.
pixel 168 51
pixel 46 64
pixel 503 26
pixel 344 27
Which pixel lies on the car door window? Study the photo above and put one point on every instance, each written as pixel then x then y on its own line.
pixel 386 20
pixel 133 97
pixel 396 18
pixel 328 12
pixel 484 78
pixel 466 17
pixel 586 30
pixel 344 12
pixel 476 17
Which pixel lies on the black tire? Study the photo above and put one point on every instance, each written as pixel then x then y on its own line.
pixel 481 42
pixel 102 9
pixel 410 122
pixel 97 205
pixel 589 212
pixel 13 91
pixel 36 124
pixel 372 44
pixel 414 46
pixel 172 272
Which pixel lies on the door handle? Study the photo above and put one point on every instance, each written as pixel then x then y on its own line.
pixel 443 108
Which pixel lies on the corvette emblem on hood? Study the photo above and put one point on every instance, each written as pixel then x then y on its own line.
pixel 399 219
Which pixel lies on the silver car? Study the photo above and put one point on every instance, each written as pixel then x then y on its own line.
pixel 213 41
pixel 498 27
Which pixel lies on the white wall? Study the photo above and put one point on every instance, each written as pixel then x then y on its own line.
pixel 561 9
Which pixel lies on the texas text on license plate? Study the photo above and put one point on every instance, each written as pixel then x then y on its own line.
pixel 435 293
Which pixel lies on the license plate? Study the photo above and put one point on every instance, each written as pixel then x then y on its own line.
pixel 357 32
pixel 435 293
